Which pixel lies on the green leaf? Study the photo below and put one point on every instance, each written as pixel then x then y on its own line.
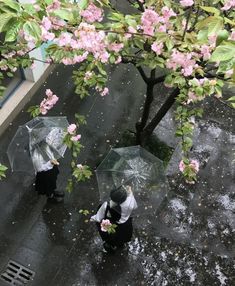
pixel 69 186
pixel 4 19
pixel 2 171
pixel 232 104
pixel 2 167
pixel 221 36
pixel 12 4
pixel 112 59
pixel 13 30
pixel 199 90
pixel 103 2
pixel 83 4
pixel 116 17
pixel 213 23
pixel 232 98
pixel 223 52
pixel 65 15
pixel 212 10
pixel 202 36
pixel 33 29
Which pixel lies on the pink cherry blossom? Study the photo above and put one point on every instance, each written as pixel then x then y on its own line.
pixel 42 108
pixel 182 166
pixel 157 47
pixel 54 6
pixel 191 97
pixel 72 128
pixel 118 60
pixel 46 23
pixel 92 41
pixel 149 16
pixel 52 100
pixel 103 56
pixel 105 224
pixel 104 92
pixel 49 92
pixel 49 102
pixel 4 68
pixel 186 3
pixel 232 36
pixel 212 40
pixel 67 61
pixel 47 36
pixel 76 138
pixel 80 58
pixel 183 61
pixel 194 164
pixel 116 47
pixel 92 14
pixel 205 52
pixel 64 39
pixel 37 7
pixel 131 30
pixel 149 20
pixel 57 23
pixel 88 75
pixel 167 13
pixel 228 5
pixel 229 73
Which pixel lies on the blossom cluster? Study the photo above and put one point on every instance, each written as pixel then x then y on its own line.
pixel 184 61
pixel 105 225
pixel 190 169
pixel 72 128
pixel 152 22
pixel 200 83
pixel 92 14
pixel 186 3
pixel 48 102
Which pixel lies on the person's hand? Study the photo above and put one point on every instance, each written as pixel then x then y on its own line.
pixel 54 162
pixel 128 189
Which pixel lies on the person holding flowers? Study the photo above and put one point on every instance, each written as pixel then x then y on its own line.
pixel 113 218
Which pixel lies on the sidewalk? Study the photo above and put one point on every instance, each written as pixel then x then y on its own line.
pixel 188 241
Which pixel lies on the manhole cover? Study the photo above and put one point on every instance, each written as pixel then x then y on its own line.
pixel 17 274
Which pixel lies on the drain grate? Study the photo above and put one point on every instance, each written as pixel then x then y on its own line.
pixel 17 274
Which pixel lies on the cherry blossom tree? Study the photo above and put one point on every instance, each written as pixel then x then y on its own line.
pixel 192 43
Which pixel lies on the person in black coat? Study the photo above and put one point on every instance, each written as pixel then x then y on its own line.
pixel 118 211
pixel 46 178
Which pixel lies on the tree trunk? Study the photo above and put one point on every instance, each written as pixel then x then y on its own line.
pixel 148 130
pixel 145 115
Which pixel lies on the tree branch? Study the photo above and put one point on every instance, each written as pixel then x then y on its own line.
pixel 187 22
pixel 195 20
pixel 142 73
pixel 159 79
pixel 161 113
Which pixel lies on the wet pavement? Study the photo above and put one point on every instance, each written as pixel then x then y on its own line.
pixel 188 240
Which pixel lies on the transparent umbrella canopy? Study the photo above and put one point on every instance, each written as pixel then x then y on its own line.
pixel 136 167
pixel 36 142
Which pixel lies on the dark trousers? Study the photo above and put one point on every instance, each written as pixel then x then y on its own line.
pixel 45 183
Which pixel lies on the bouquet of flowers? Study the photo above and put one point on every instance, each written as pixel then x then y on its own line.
pixel 107 226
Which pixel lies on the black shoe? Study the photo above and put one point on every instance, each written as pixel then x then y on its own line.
pixel 54 200
pixel 59 194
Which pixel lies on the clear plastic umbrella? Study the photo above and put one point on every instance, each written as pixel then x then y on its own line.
pixel 36 142
pixel 136 167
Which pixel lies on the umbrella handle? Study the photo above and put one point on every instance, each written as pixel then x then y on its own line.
pixel 29 129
